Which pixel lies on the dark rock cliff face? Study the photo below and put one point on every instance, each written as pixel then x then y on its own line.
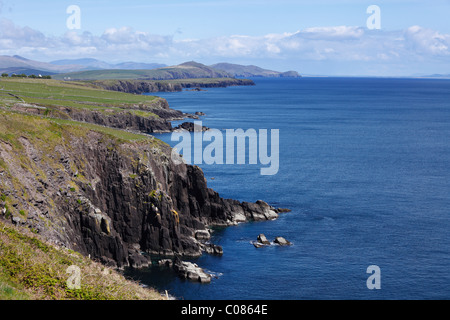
pixel 115 200
pixel 149 86
pixel 123 120
pixel 139 86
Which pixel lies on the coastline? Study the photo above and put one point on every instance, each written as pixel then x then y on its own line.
pixel 116 195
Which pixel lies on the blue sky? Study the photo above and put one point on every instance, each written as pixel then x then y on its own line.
pixel 311 37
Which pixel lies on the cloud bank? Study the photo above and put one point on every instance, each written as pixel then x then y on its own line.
pixel 340 45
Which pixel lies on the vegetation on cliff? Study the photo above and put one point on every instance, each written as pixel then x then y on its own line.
pixel 32 269
pixel 86 102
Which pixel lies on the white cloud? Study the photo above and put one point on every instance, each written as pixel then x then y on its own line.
pixel 349 44
pixel 20 36
pixel 333 33
pixel 427 41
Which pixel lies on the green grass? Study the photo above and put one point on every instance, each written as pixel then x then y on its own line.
pixel 67 103
pixel 145 114
pixel 14 125
pixel 31 269
pixel 68 92
pixel 53 94
pixel 47 133
pixel 10 290
pixel 116 133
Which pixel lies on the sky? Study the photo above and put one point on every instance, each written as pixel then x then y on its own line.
pixel 313 37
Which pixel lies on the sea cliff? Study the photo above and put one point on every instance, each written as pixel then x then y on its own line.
pixel 106 196
pixel 78 168
pixel 151 86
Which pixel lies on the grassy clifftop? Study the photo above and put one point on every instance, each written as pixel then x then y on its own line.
pixel 68 94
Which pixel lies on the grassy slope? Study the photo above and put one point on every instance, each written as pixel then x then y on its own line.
pixel 69 91
pixel 31 269
pixel 120 134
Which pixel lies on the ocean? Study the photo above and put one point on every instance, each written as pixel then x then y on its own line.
pixel 364 167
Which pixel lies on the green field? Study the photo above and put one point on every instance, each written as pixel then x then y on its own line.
pixel 67 92
pixel 117 133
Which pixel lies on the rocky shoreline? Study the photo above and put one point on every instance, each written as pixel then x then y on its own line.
pixel 116 201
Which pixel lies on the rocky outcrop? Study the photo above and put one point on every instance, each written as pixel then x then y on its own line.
pixel 190 126
pixel 282 241
pixel 262 241
pixel 191 271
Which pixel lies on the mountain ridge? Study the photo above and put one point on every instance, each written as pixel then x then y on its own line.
pixel 237 70
pixel 18 64
pixel 89 63
pixel 95 69
pixel 186 70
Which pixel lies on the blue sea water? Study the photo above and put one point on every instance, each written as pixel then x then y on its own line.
pixel 364 167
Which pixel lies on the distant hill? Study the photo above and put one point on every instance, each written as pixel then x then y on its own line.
pixel 93 69
pixel 138 66
pixel 27 71
pixel 94 64
pixel 187 70
pixel 83 64
pixel 18 64
pixel 237 70
pixel 437 76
